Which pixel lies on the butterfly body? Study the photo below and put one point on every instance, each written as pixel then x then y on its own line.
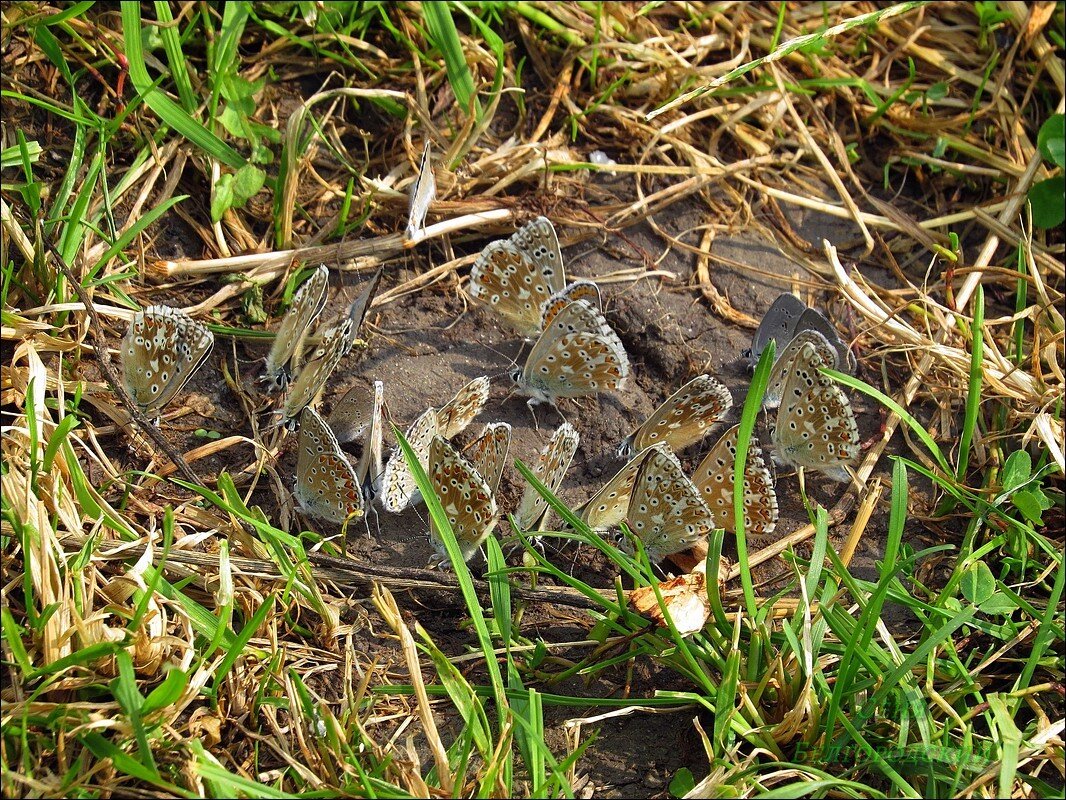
pixel 488 453
pixel 358 415
pixel 423 191
pixel 789 316
pixel 550 469
pixel 398 489
pixel 333 346
pixel 666 511
pixel 780 370
pixel 607 507
pixel 522 278
pixel 161 351
pixel 714 478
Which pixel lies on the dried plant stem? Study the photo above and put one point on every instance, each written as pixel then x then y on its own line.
pixel 386 606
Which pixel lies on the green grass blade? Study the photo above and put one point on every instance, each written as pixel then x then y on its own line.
pixel 127 765
pixel 169 112
pixel 445 37
pixel 973 395
pixel 462 573
pixel 896 408
pixel 749 416
pixel 176 60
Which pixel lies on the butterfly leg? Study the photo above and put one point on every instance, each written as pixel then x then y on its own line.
pixel 529 404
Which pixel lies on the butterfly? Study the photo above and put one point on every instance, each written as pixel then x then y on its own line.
pixel 685 417
pixel 488 453
pixel 359 415
pixel 785 357
pixel 551 466
pixel 327 486
pixel 714 478
pixel 333 345
pixel 465 497
pixel 160 352
pixel 788 316
pixel 815 424
pixel 666 511
pixel 517 276
pixel 306 305
pixel 309 383
pixel 577 354
pixel 423 191
pixel 398 488
pixel 607 508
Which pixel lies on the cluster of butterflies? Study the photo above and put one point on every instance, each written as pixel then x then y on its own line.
pixel 164 347
pixel 575 353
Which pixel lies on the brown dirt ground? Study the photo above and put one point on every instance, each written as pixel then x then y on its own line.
pixel 426 346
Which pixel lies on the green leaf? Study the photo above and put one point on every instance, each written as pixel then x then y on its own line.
pixel 222 198
pixel 248 180
pixel 1052 140
pixel 978 584
pixel 441 30
pixel 998 605
pixel 232 120
pixel 169 112
pixel 1049 202
pixel 682 782
pixel 1017 470
pixel 1032 502
pixel 938 91
pixel 166 693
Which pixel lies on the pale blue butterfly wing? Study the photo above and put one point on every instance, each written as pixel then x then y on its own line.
pixel 334 344
pixel 398 488
pixel 359 415
pixel 779 323
pixel 578 290
pixel 311 380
